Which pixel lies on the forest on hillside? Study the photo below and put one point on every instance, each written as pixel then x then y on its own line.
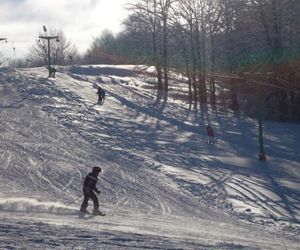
pixel 240 55
pixel 250 47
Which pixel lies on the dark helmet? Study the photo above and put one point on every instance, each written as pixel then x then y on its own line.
pixel 96 170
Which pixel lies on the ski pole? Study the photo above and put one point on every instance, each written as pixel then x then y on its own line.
pixel 73 201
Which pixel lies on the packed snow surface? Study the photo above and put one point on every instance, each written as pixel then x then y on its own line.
pixel 162 186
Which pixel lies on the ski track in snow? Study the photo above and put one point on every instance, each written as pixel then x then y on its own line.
pixel 162 186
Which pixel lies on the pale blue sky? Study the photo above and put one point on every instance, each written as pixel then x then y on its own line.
pixel 80 20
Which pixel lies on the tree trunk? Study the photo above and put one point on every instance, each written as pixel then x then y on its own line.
pixel 203 66
pixel 194 64
pixel 159 77
pixel 199 62
pixel 165 54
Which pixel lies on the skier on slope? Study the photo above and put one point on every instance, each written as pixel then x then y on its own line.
pixel 89 187
pixel 210 135
pixel 101 95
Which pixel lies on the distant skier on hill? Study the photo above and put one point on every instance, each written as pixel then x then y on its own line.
pixel 52 71
pixel 89 187
pixel 210 135
pixel 101 95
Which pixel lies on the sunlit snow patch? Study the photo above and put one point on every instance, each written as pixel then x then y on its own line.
pixel 185 174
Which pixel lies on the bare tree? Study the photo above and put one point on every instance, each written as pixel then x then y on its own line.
pixel 151 17
pixel 164 12
pixel 192 15
pixel 214 27
pixel 143 23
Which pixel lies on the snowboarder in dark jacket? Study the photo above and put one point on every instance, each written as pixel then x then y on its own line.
pixel 89 189
pixel 101 95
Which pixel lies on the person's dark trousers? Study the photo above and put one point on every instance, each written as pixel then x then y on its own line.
pixel 87 196
pixel 99 99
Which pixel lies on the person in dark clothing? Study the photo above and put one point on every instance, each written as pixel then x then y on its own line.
pixel 210 135
pixel 89 189
pixel 101 95
pixel 52 71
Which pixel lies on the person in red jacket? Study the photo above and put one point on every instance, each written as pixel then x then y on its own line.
pixel 89 189
pixel 210 135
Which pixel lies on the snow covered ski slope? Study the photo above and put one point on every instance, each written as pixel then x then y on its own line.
pixel 162 186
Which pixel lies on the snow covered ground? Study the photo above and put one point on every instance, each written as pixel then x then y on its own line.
pixel 162 186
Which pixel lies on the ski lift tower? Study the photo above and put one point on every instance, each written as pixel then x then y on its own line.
pixel 48 39
pixel 3 39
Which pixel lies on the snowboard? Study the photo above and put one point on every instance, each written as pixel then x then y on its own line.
pixel 89 215
pixel 98 214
